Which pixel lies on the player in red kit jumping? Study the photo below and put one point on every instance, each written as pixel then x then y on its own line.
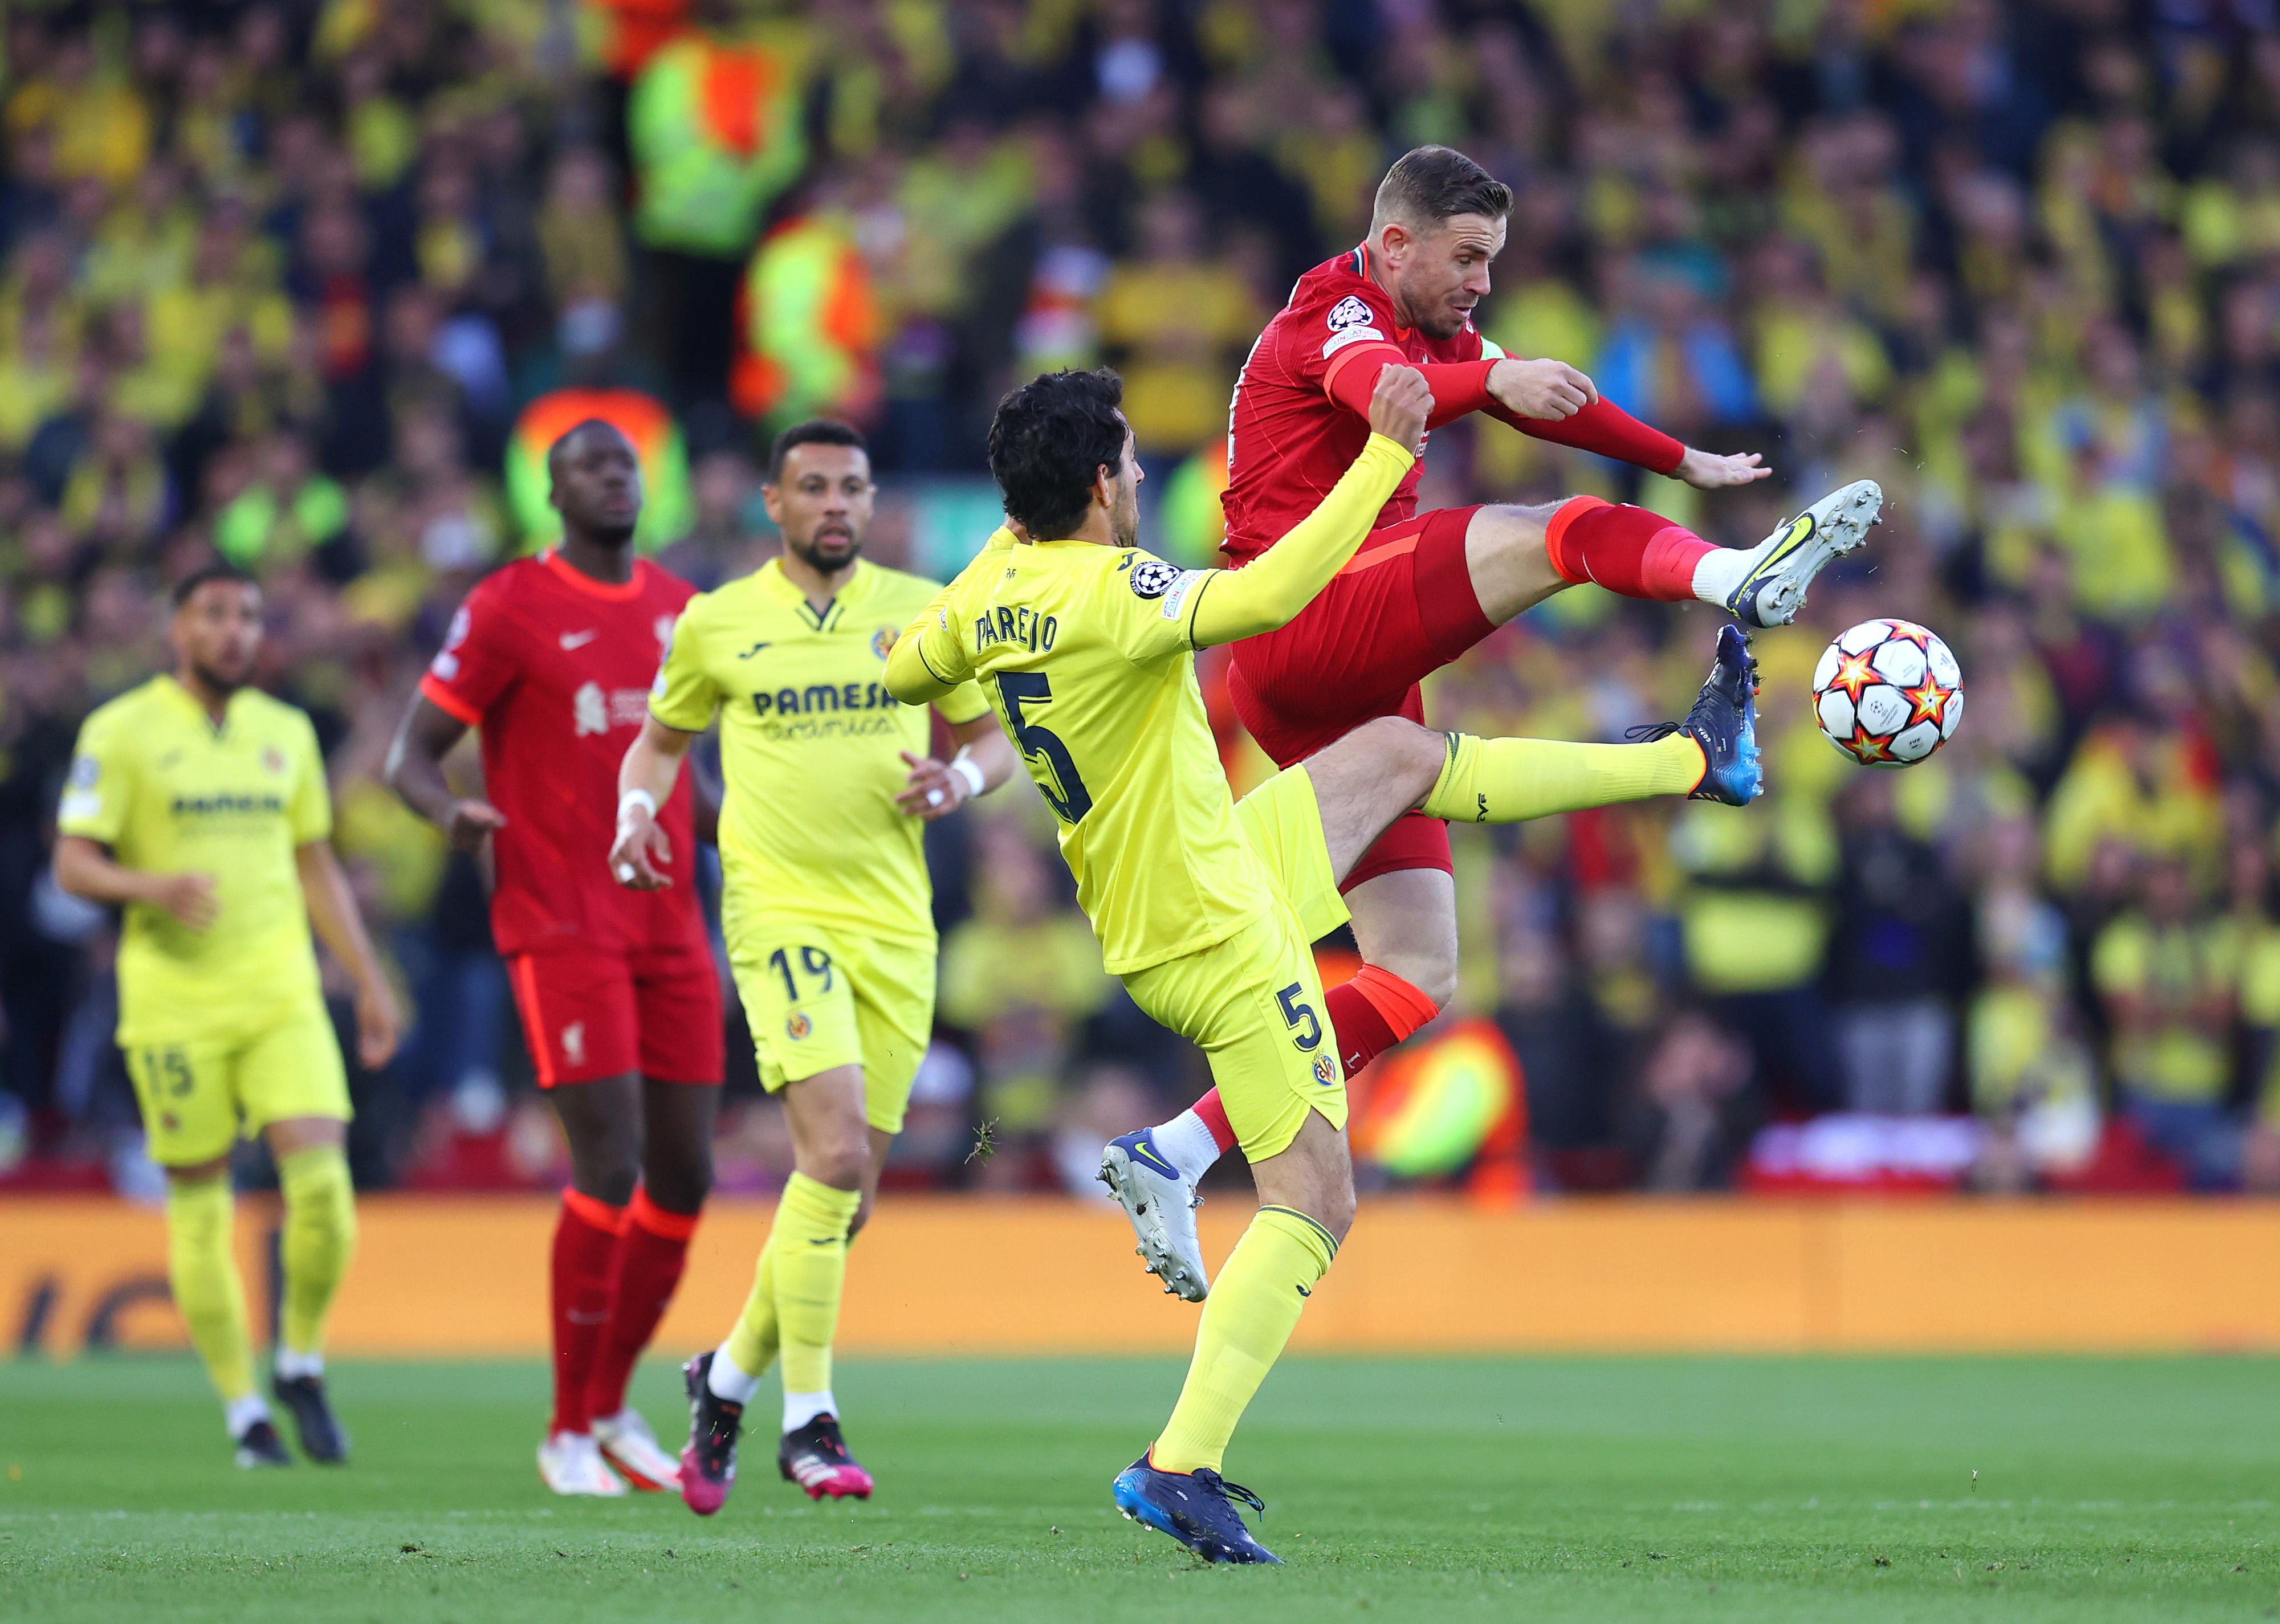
pixel 1426 587
pixel 551 657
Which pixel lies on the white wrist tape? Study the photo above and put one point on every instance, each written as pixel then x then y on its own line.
pixel 642 798
pixel 965 768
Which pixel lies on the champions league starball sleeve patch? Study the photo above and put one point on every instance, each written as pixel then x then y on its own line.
pixel 1154 577
pixel 1351 322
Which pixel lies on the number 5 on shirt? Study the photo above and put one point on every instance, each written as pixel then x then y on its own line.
pixel 1017 688
pixel 1295 1014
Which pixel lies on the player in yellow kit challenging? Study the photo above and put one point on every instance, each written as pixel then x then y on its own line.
pixel 198 803
pixel 825 906
pixel 1086 645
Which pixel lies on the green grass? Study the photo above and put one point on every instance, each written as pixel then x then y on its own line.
pixel 1543 1489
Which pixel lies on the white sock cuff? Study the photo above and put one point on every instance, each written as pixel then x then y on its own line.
pixel 801 1408
pixel 290 1362
pixel 729 1382
pixel 1186 1142
pixel 240 1413
pixel 1719 571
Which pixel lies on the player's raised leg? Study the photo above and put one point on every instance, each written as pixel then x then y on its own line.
pixel 1517 557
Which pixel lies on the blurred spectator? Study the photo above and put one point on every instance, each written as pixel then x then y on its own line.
pixel 715 128
pixel 286 512
pixel 811 325
pixel 1899 954
pixel 1694 1074
pixel 2169 977
pixel 1176 322
pixel 1755 925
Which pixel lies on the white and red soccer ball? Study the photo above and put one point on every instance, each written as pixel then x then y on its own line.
pixel 1888 693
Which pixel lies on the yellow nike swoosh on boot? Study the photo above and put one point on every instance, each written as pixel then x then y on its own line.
pixel 1799 529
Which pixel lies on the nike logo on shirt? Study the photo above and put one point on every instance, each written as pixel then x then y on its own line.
pixel 578 640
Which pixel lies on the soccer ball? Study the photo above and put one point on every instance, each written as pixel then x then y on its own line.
pixel 1888 693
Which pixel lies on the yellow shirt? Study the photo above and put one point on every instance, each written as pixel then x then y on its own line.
pixel 168 792
pixel 1087 653
pixel 811 743
pixel 1088 659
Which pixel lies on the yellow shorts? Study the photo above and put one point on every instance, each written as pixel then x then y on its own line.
pixel 199 1095
pixel 817 998
pixel 1253 1003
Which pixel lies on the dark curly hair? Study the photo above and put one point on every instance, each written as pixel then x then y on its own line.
pixel 1048 444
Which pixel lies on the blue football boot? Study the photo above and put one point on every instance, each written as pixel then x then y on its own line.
pixel 1781 566
pixel 1724 722
pixel 1197 1508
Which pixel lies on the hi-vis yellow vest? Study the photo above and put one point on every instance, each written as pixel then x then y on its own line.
pixel 716 133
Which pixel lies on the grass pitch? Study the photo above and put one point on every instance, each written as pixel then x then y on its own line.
pixel 1442 1490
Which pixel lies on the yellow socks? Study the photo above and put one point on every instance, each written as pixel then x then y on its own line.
pixel 320 1238
pixel 203 1275
pixel 1253 1307
pixel 751 1346
pixel 809 1242
pixel 1510 780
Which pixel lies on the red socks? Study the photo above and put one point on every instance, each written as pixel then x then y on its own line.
pixel 652 1250
pixel 1370 1013
pixel 1214 1117
pixel 1626 550
pixel 585 1241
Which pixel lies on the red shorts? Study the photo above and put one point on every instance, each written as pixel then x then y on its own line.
pixel 1403 608
pixel 588 1013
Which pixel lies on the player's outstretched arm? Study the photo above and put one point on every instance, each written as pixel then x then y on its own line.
pixel 87 870
pixel 1552 401
pixel 340 926
pixel 1233 604
pixel 641 852
pixel 415 771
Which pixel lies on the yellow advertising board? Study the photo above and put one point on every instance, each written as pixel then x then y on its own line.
pixel 467 1276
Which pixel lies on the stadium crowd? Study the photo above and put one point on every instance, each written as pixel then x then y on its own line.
pixel 305 283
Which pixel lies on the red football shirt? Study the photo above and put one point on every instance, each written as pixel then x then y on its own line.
pixel 1288 440
pixel 555 668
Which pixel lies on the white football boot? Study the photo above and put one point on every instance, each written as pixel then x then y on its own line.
pixel 571 1463
pixel 627 1444
pixel 1162 1207
pixel 1782 565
